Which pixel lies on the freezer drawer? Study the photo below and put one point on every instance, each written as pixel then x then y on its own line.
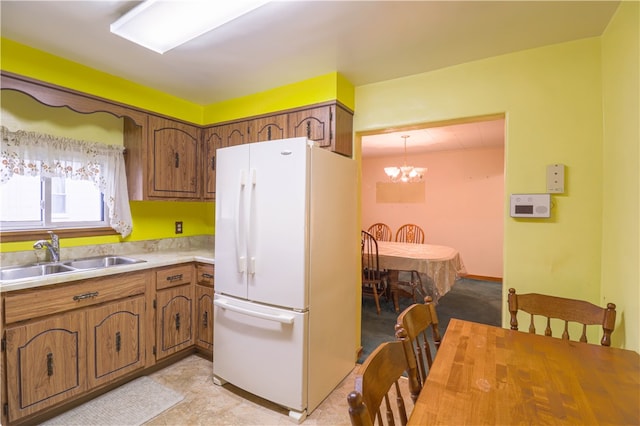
pixel 262 350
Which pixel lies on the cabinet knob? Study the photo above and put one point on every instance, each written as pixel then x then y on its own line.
pixel 205 319
pixel 118 341
pixel 178 321
pixel 177 158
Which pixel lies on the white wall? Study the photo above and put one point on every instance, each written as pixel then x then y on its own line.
pixel 463 205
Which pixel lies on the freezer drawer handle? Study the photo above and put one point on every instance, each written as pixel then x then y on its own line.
pixel 284 319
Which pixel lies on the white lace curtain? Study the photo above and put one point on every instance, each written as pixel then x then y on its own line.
pixel 35 154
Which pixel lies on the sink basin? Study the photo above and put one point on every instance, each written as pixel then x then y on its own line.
pixel 32 271
pixel 101 262
pixel 43 269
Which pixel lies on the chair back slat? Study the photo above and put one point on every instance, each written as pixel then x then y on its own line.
pixel 567 310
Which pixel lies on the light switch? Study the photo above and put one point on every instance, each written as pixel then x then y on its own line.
pixel 555 178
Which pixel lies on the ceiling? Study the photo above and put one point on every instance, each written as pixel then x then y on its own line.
pixel 284 42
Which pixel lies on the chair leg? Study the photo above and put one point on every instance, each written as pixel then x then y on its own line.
pixel 396 302
pixel 376 298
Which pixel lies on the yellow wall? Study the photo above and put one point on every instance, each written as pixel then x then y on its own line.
pixel 315 90
pixel 552 99
pixel 621 162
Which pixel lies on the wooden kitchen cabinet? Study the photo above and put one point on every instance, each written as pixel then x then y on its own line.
pixel 174 310
pixel 46 363
pixel 204 307
pixel 173 162
pixel 116 340
pixel 331 126
pixel 270 128
pixel 62 341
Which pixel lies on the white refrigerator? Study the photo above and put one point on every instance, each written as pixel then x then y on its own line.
pixel 286 269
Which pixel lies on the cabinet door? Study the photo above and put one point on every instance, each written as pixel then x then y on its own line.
pixel 314 124
pixel 212 139
pixel 45 363
pixel 270 128
pixel 116 340
pixel 174 163
pixel 204 317
pixel 175 310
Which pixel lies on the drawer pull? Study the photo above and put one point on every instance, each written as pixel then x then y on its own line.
pixel 205 319
pixel 49 364
pixel 118 341
pixel 174 277
pixel 86 296
pixel 207 276
pixel 178 321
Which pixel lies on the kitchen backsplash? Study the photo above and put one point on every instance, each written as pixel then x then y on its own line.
pixel 128 248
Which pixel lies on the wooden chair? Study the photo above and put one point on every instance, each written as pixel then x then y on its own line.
pixel 410 233
pixel 567 310
pixel 402 288
pixel 382 371
pixel 416 321
pixel 380 231
pixel 374 280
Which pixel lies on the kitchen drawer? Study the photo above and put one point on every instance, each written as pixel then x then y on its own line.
pixel 174 276
pixel 204 274
pixel 38 302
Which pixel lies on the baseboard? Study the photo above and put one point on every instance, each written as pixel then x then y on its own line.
pixel 483 278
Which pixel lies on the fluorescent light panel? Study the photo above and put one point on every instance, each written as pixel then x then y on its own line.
pixel 161 25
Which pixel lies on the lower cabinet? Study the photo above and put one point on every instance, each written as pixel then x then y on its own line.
pixel 174 310
pixel 204 308
pixel 45 363
pixel 116 340
pixel 63 341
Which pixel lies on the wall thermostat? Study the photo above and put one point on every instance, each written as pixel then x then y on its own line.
pixel 530 205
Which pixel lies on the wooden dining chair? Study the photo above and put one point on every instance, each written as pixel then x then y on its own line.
pixel 380 231
pixel 567 310
pixel 404 284
pixel 374 279
pixel 420 321
pixel 380 379
pixel 410 233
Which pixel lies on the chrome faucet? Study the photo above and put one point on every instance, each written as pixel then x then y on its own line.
pixel 53 247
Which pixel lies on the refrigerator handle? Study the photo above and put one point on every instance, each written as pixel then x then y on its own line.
pixel 240 226
pixel 281 318
pixel 251 261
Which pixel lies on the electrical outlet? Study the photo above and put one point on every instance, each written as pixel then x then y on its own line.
pixel 179 227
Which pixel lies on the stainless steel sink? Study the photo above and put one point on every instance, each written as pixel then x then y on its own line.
pixel 44 269
pixel 101 262
pixel 31 271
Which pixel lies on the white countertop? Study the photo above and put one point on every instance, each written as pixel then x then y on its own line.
pixel 151 260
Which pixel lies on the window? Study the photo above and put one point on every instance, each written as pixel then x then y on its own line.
pixel 51 181
pixel 32 202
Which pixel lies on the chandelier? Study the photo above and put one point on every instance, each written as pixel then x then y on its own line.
pixel 405 173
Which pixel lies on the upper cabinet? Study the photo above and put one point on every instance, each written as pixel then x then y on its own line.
pixel 270 128
pixel 163 160
pixel 174 150
pixel 331 126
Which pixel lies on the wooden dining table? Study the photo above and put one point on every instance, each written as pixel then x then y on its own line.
pixel 439 266
pixel 495 376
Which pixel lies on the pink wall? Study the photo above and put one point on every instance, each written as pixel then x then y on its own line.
pixel 463 208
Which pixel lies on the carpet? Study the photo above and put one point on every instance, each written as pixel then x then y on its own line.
pixel 133 403
pixel 469 299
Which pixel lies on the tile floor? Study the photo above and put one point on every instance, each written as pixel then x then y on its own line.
pixel 208 404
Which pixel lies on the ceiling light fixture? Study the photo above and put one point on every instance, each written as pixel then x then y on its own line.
pixel 161 25
pixel 405 173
